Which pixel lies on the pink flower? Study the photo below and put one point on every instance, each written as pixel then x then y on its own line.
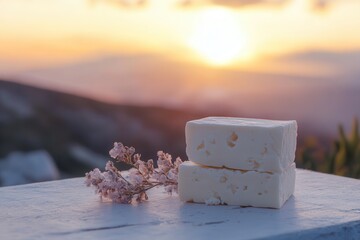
pixel 177 163
pixel 164 161
pixel 135 176
pixel 150 166
pixel 112 185
pixel 122 153
pixel 117 150
pixel 143 168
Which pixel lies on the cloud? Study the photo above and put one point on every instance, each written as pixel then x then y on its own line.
pixel 243 3
pixel 317 5
pixel 234 3
pixel 344 62
pixel 321 5
pixel 324 5
pixel 325 56
pixel 121 3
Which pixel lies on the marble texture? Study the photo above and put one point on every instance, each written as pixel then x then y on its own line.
pixel 323 207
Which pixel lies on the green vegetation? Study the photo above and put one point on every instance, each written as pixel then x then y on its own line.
pixel 342 159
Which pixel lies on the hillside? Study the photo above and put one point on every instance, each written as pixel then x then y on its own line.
pixel 78 132
pixel 319 103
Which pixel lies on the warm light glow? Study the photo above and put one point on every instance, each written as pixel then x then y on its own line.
pixel 35 34
pixel 218 38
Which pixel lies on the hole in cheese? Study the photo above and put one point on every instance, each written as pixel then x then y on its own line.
pixel 234 137
pixel 230 144
pixel 201 146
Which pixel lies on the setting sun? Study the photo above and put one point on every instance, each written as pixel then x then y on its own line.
pixel 217 37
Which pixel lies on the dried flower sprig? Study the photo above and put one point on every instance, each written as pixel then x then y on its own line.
pixel 131 187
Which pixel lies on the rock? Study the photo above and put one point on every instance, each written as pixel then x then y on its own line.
pixel 20 168
pixel 17 104
pixel 87 156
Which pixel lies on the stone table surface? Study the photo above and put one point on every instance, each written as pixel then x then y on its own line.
pixel 323 207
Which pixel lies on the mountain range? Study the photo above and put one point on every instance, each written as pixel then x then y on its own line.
pixel 77 132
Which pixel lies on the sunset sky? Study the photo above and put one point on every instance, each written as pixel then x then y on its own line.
pixel 291 59
pixel 240 34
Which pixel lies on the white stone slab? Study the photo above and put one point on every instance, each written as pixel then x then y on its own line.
pixel 323 207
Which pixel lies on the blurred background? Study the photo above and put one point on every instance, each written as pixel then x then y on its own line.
pixel 77 75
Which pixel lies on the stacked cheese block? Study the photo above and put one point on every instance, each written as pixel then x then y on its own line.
pixel 238 161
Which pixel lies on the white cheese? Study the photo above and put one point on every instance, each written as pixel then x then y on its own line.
pixel 240 143
pixel 235 187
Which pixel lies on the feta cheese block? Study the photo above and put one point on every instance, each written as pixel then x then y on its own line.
pixel 242 143
pixel 210 185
